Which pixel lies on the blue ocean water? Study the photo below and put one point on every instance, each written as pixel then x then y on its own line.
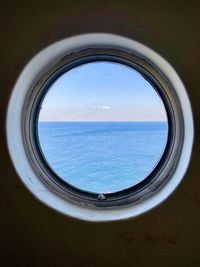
pixel 102 157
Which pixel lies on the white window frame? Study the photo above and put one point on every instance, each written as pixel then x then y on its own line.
pixel 31 173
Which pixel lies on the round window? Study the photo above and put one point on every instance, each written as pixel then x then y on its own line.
pixel 103 127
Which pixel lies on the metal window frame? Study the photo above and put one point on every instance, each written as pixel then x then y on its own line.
pixel 164 168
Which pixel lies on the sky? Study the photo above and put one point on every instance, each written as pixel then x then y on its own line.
pixel 102 91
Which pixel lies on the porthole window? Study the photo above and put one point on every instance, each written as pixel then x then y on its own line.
pixel 103 127
pixel 110 121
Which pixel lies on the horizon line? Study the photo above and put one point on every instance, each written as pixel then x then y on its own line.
pixel 103 121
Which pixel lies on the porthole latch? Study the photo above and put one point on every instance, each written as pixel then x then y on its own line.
pixel 101 197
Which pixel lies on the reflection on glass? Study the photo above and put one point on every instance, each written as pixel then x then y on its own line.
pixel 102 127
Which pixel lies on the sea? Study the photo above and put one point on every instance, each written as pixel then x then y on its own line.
pixel 102 157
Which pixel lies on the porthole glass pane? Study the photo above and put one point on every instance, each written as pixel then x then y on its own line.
pixel 102 127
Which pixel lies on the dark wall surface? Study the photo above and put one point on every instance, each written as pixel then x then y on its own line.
pixel 34 235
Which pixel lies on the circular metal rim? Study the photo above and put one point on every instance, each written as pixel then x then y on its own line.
pixel 138 205
pixel 123 197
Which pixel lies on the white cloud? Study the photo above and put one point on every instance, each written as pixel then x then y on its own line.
pixel 104 107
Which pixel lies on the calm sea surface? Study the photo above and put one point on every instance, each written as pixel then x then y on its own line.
pixel 102 156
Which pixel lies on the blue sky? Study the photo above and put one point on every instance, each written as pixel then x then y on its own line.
pixel 102 91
